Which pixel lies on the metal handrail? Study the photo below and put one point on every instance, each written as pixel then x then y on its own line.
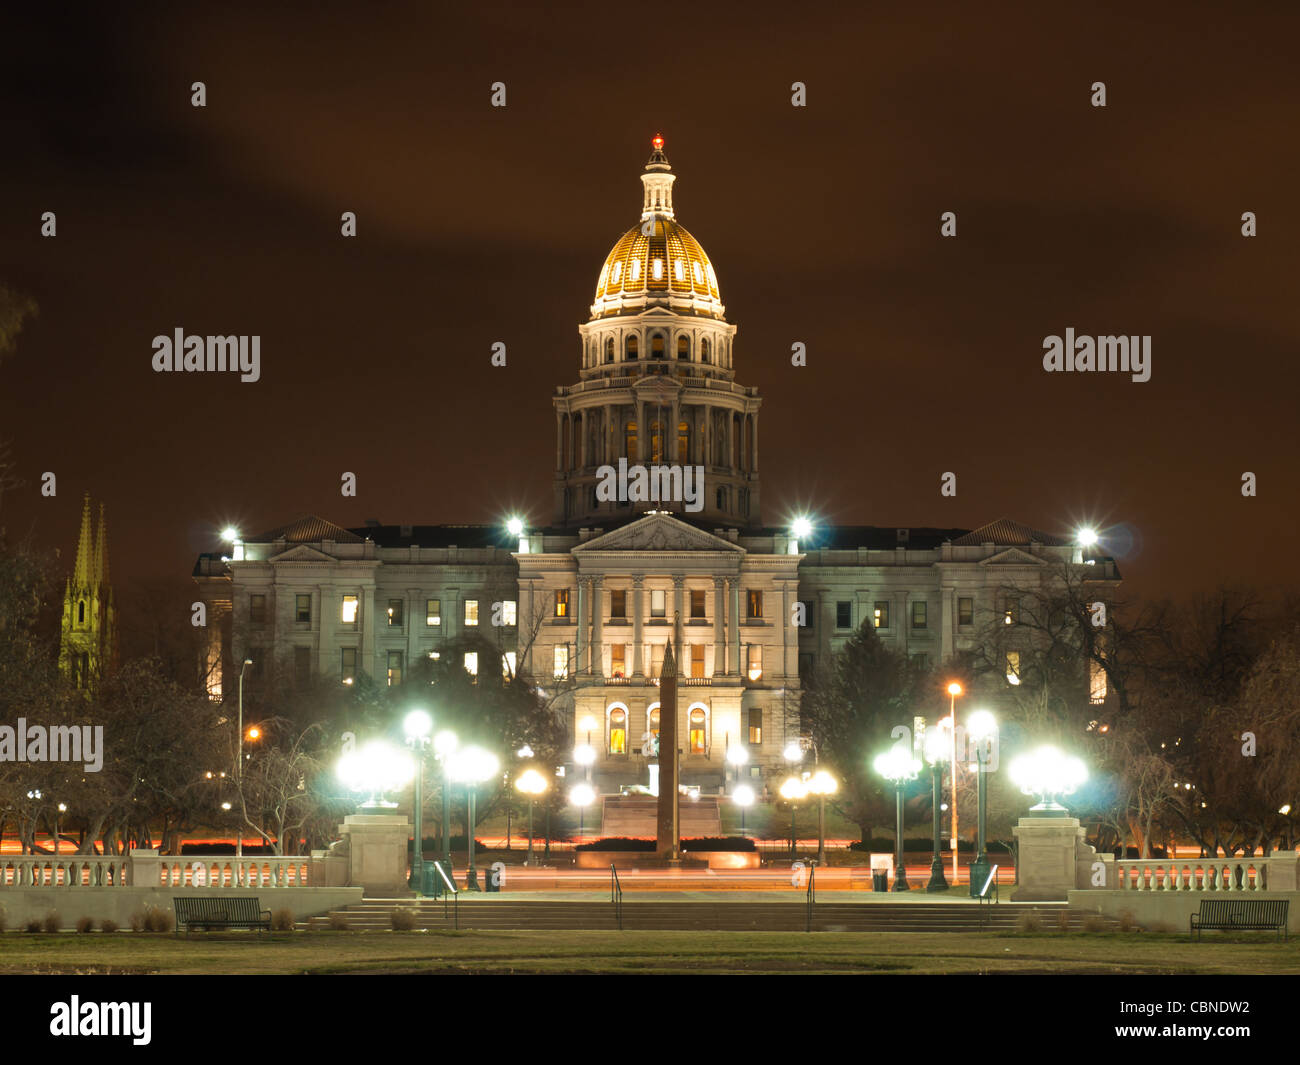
pixel 811 892
pixel 616 895
pixel 983 896
pixel 451 890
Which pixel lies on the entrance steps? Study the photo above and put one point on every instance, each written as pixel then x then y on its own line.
pixel 758 916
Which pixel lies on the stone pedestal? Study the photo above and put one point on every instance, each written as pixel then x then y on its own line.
pixel 377 853
pixel 1045 862
pixel 146 868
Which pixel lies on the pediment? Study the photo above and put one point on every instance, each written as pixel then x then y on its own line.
pixel 657 388
pixel 658 532
pixel 1012 556
pixel 301 553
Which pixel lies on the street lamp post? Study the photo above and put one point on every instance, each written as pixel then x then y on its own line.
pixel 934 754
pixel 445 744
pixel 792 790
pixel 471 766
pixel 954 690
pixel 1048 772
pixel 743 796
pixel 532 784
pixel 581 795
pixel 418 725
pixel 239 780
pixel 981 729
pixel 821 785
pixel 898 766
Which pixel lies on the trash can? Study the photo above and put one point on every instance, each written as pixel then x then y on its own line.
pixel 496 875
pixel 433 886
pixel 881 866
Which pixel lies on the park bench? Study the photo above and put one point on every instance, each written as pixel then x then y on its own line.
pixel 1231 915
pixel 219 912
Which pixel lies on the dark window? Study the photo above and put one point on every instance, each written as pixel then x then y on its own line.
pixel 754 599
pixel 697 603
pixel 755 725
pixel 683 348
pixel 844 615
pixel 302 608
pixel 395 613
pixel 919 614
pixel 433 612
pixel 302 666
pixel 629 350
pixel 257 609
pixel 965 611
pixel 394 668
pixel 1012 615
pixel 618 603
pixel 349 664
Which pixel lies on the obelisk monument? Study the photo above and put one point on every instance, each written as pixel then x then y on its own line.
pixel 668 847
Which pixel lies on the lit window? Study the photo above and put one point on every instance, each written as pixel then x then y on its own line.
pixel 919 613
pixel 657 269
pixel 679 271
pixel 395 613
pixel 433 612
pixel 755 725
pixel 965 611
pixel 699 274
pixel 562 602
pixel 434 656
pixel 882 615
pixel 618 272
pixel 350 610
pixel 471 663
pixel 618 660
pixel 302 608
pixel 755 661
pixel 654 725
pixel 696 652
pixel 394 668
pixel 561 661
pixel 636 269
pixel 754 599
pixel 508 612
pixel 618 731
pixel 1013 667
pixel 658 603
pixel 471 612
pixel 508 661
pixel 698 729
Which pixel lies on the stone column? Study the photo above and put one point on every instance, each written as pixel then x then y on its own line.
pixel 719 632
pixel 755 416
pixel 559 441
pixel 580 640
pixel 642 434
pixel 734 664
pixel 949 625
pixel 638 613
pixel 597 616
pixel 708 436
pixel 327 607
pixel 731 462
pixel 679 582
pixel 369 622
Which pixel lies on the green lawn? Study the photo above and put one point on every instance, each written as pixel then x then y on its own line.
pixel 644 952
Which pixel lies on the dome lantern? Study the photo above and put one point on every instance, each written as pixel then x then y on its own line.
pixel 658 181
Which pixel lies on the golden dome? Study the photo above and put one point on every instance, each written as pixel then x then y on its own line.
pixel 657 263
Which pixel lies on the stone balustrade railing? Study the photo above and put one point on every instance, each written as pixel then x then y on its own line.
pixel 145 868
pixel 65 870
pixel 1207 874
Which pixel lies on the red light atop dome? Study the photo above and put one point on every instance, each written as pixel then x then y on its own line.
pixel 657 143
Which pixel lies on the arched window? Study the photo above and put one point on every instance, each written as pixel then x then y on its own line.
pixel 657 346
pixel 630 348
pixel 81 612
pixel 698 730
pixel 654 723
pixel 629 437
pixel 609 350
pixel 617 730
pixel 683 443
pixel 683 348
pixel 704 351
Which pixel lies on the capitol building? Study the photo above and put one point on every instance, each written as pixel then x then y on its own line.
pixel 588 603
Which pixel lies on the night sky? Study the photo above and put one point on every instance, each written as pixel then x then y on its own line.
pixel 479 224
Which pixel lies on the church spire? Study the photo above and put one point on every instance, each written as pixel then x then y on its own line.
pixel 101 551
pixel 82 572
